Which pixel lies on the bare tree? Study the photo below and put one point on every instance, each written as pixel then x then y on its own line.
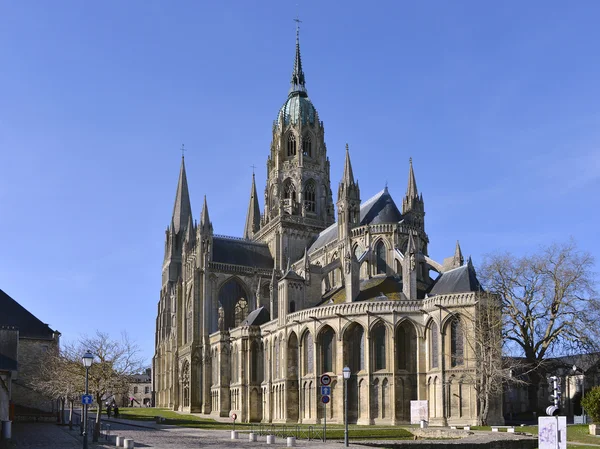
pixel 549 305
pixel 114 362
pixel 483 338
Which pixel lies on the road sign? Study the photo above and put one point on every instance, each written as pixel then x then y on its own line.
pixel 325 391
pixel 325 379
pixel 86 399
pixel 233 416
pixel 324 399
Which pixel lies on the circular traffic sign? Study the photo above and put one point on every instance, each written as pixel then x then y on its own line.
pixel 233 416
pixel 324 399
pixel 325 379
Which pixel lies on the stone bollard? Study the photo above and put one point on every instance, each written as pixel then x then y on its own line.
pixel 234 434
pixel 6 430
pixel 128 443
pixel 467 427
pixel 251 436
pixel 291 441
pixel 511 430
pixel 270 439
pixel 119 441
pixel 423 424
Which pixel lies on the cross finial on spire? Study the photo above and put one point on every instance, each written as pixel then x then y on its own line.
pixel 253 168
pixel 298 82
pixel 182 150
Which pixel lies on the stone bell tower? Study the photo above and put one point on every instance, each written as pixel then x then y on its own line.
pixel 298 199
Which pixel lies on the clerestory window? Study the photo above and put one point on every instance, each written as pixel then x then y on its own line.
pixel 291 145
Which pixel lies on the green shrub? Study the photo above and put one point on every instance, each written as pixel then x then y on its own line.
pixel 591 404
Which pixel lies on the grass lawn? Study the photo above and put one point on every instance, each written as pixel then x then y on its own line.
pixel 334 431
pixel 578 433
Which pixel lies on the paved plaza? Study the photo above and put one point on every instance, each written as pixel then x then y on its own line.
pixel 151 435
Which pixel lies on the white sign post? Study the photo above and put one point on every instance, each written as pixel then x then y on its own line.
pixel 552 432
pixel 419 411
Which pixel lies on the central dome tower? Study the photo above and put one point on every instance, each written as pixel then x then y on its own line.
pixel 298 191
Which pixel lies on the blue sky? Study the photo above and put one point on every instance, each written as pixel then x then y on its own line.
pixel 497 103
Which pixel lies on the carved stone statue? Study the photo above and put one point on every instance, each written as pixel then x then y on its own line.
pixel 221 319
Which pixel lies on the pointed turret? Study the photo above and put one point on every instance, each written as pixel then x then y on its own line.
pixel 348 202
pixel 205 224
pixel 458 256
pixel 348 177
pixel 298 83
pixel 412 204
pixel 409 269
pixel 182 210
pixel 190 234
pixel 253 215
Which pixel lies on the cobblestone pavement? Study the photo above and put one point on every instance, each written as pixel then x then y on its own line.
pixel 148 435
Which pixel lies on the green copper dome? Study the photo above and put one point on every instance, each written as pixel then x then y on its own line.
pixel 295 109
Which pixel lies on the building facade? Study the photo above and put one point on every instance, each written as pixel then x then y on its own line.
pixel 248 325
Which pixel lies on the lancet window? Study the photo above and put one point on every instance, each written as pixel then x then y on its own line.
pixel 434 338
pixel 307 146
pixel 309 361
pixel 310 197
pixel 291 145
pixel 379 349
pixel 456 343
pixel 380 255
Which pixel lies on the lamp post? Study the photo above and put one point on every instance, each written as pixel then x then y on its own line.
pixel 87 359
pixel 346 372
pixel 582 391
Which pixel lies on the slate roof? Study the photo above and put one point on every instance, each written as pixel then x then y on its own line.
pixel 257 317
pixel 9 344
pixel 14 314
pixel 378 209
pixel 291 274
pixel 459 280
pixel 241 252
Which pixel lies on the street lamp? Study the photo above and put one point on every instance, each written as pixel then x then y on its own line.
pixel 346 372
pixel 87 360
pixel 582 391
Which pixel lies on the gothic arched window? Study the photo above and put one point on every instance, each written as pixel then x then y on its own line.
pixel 276 374
pixel 310 197
pixel 434 335
pixel 456 343
pixel 292 307
pixel 291 145
pixel 306 146
pixel 380 256
pixel 327 354
pixel 185 383
pixel 308 354
pixel 355 342
pixel 378 338
pixel 240 311
pixel 289 190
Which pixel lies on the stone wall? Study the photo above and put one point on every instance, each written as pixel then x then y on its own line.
pixel 31 352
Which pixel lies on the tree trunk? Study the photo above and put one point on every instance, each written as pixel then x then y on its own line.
pixel 532 391
pixel 62 411
pixel 96 436
pixel 70 415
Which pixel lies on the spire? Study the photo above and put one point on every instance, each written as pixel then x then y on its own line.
pixel 297 84
pixel 253 215
pixel 458 256
pixel 205 223
pixel 411 247
pixel 182 209
pixel 411 191
pixel 348 177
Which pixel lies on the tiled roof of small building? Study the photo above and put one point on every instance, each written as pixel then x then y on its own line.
pixel 14 314
pixel 241 252
pixel 459 280
pixel 257 317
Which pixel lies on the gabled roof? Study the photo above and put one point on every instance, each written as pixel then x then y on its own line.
pixel 257 317
pixel 459 280
pixel 378 209
pixel 292 275
pixel 241 252
pixel 14 314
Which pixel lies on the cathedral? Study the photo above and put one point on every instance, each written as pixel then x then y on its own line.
pixel 248 325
